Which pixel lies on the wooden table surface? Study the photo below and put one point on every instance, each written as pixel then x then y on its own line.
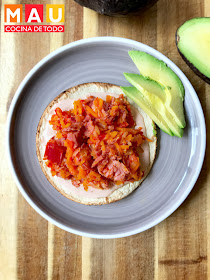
pixel 30 247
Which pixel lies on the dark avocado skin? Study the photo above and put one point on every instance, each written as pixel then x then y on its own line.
pixel 116 7
pixel 195 70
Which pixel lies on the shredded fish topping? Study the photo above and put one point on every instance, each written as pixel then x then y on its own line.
pixel 96 143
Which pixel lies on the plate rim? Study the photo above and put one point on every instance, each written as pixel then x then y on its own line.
pixel 185 82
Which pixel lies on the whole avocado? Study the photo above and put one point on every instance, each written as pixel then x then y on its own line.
pixel 192 40
pixel 116 7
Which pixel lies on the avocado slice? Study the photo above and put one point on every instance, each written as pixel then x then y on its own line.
pixel 150 110
pixel 157 70
pixel 156 95
pixel 193 43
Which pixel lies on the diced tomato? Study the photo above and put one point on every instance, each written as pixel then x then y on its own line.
pixel 54 153
pixel 101 136
pixel 130 120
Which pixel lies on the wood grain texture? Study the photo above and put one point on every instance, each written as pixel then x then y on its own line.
pixel 207 159
pixel 32 248
pixel 182 250
pixel 67 259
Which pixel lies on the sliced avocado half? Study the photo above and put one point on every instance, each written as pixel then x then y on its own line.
pixel 156 69
pixel 136 95
pixel 157 96
pixel 193 43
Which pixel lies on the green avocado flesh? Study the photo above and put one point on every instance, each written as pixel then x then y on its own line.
pixel 137 96
pixel 157 70
pixel 156 96
pixel 193 42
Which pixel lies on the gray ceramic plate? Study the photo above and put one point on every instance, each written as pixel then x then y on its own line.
pixel 175 170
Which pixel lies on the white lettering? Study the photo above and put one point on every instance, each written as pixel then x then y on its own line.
pixel 34 15
pixel 37 28
pixel 49 28
pixel 60 28
pixel 59 15
pixel 13 15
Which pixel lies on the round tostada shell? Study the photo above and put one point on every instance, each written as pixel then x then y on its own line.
pixel 80 91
